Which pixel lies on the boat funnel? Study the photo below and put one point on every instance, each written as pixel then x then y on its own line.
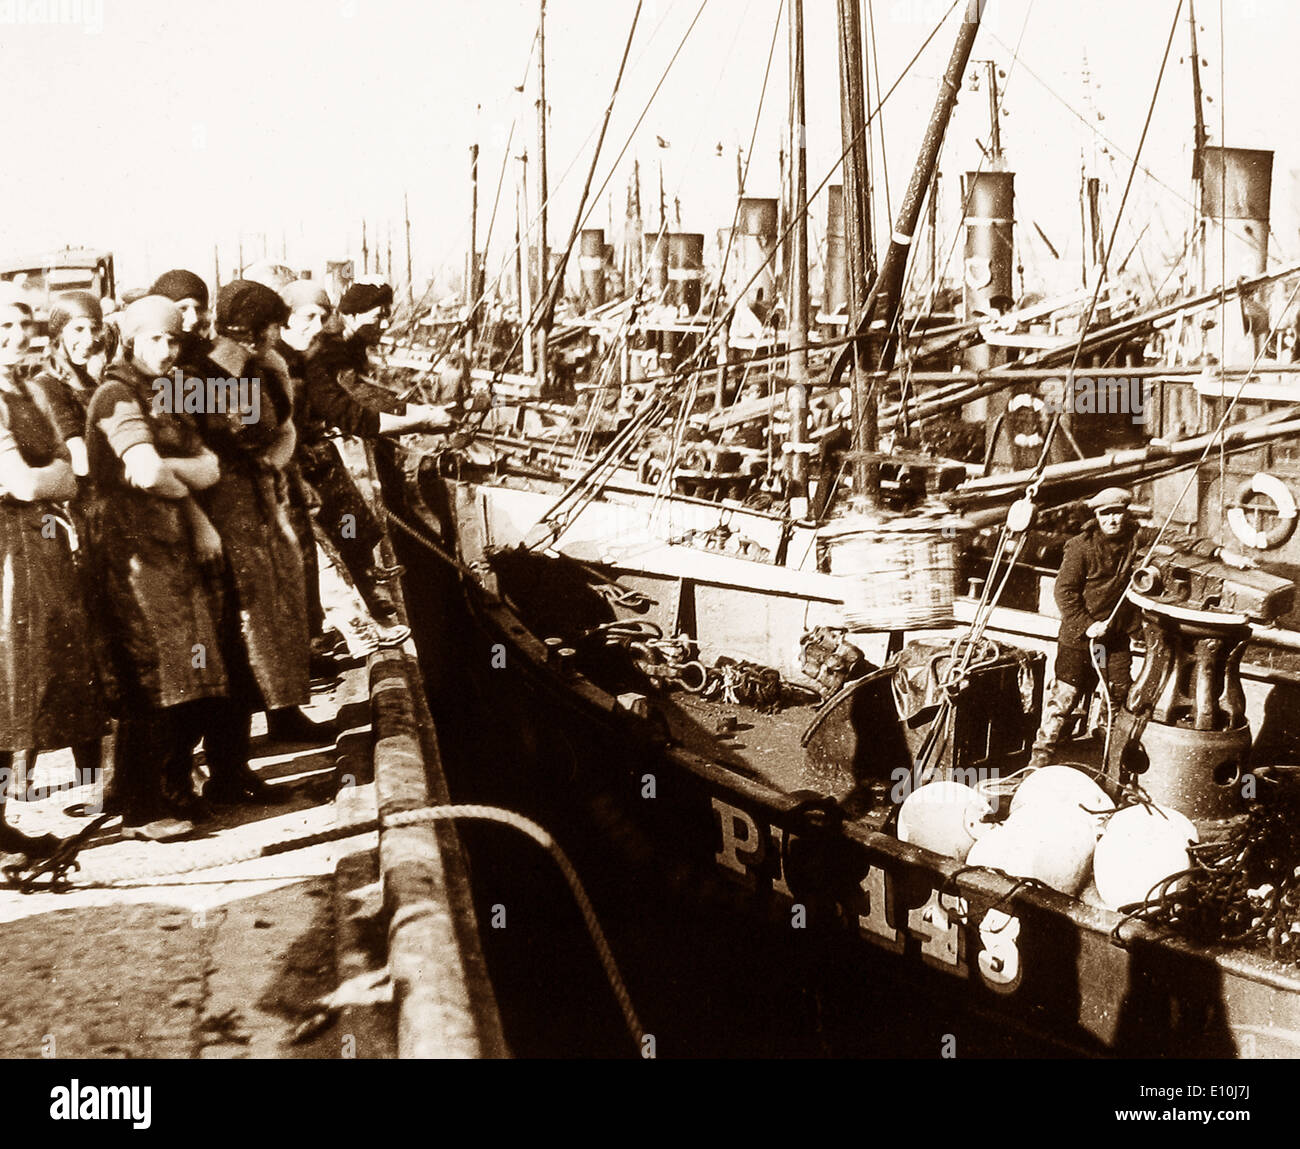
pixel 591 267
pixel 1236 190
pixel 990 255
pixel 685 271
pixel 657 266
pixel 835 291
pixel 755 253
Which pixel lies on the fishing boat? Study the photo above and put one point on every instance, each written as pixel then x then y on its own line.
pixel 758 698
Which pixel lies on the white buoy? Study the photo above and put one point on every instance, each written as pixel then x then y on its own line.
pixel 943 817
pixel 1050 841
pixel 1142 846
pixel 1063 784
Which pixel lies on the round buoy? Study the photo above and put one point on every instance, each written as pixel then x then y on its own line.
pixel 1142 846
pixel 1063 784
pixel 943 817
pixel 1050 841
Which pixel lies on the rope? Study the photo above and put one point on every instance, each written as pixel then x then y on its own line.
pixel 141 874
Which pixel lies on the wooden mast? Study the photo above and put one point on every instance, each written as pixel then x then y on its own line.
pixel 1199 140
pixel 797 394
pixel 410 279
pixel 543 255
pixel 885 298
pixel 471 256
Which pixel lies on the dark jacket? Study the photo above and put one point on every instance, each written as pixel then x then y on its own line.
pixel 334 397
pixel 1094 575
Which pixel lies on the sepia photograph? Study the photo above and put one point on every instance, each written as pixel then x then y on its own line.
pixel 654 530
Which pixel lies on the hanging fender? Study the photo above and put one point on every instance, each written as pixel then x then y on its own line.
pixel 1284 504
pixel 1025 420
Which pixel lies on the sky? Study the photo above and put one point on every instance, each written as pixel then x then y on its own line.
pixel 167 129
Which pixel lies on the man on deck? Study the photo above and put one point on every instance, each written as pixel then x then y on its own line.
pixel 1094 575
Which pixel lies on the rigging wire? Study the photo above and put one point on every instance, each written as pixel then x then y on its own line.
pixel 711 332
pixel 688 400
pixel 1180 196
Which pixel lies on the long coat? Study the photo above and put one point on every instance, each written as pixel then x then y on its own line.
pixel 249 507
pixel 50 693
pixel 159 602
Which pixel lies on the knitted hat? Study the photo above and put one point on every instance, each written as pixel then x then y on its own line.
pixel 150 315
pixel 73 305
pixel 248 307
pixel 363 297
pixel 179 284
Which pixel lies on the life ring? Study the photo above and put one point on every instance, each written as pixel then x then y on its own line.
pixel 1284 508
pixel 1026 429
pixel 697 459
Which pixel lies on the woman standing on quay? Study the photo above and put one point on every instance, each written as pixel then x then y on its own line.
pixel 264 612
pixel 73 366
pixel 49 692
pixel 153 554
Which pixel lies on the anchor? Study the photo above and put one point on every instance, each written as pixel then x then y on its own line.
pixel 24 873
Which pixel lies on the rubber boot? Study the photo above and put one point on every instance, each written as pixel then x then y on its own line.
pixel 1057 707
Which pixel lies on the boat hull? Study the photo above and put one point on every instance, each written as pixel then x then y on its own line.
pixel 1076 978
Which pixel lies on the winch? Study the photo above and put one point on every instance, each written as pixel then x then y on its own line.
pixel 1182 733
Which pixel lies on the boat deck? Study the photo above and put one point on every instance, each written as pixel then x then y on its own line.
pixel 766 747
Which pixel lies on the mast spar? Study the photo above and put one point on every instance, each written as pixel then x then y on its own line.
pixel 543 255
pixel 879 314
pixel 797 395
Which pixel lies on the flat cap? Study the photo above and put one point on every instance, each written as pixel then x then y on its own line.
pixel 1110 498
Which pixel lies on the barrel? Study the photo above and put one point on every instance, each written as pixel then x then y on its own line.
pixel 685 271
pixel 835 291
pixel 591 267
pixel 895 575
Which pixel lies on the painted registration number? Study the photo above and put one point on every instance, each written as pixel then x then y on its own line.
pixel 940 930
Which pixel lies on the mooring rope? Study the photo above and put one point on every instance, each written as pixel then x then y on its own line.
pixel 135 874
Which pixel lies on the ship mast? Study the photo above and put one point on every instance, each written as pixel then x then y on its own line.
pixel 797 394
pixel 1199 140
pixel 883 301
pixel 543 255
pixel 471 256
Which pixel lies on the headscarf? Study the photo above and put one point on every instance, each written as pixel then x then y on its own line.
pixel 179 284
pixel 270 274
pixel 73 305
pixel 11 295
pixel 305 293
pixel 150 314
